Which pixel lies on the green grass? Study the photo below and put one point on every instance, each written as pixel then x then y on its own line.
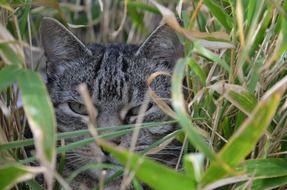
pixel 233 117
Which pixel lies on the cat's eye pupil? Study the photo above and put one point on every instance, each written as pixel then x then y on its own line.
pixel 78 108
pixel 135 110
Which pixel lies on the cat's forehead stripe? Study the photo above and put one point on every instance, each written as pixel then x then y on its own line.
pixel 110 82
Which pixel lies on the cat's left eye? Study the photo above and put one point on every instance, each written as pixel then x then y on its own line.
pixel 78 108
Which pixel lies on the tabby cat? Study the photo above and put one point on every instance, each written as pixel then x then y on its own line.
pixel 116 76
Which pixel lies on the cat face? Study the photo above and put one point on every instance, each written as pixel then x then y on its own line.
pixel 116 76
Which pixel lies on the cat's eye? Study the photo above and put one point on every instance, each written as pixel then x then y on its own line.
pixel 134 111
pixel 78 108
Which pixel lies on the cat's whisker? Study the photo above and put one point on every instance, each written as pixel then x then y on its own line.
pixel 72 162
pixel 79 161
pixel 72 157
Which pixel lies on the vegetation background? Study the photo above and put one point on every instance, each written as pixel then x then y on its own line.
pixel 233 122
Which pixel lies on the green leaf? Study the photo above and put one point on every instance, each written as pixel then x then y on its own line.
pixel 179 106
pixel 210 55
pixel 6 5
pixel 8 75
pixel 154 174
pixel 271 172
pixel 24 17
pixel 112 133
pixel 220 14
pixel 251 9
pixel 269 183
pixel 245 100
pixel 193 65
pixel 193 165
pixel 49 3
pixel 263 32
pixel 237 95
pixel 39 111
pixel 34 185
pixel 245 138
pixel 264 168
pixel 143 6
pixel 14 173
pixel 137 185
pixel 9 55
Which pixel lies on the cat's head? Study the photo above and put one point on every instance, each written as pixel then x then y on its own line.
pixel 116 76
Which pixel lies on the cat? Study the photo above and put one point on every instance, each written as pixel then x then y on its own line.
pixel 116 77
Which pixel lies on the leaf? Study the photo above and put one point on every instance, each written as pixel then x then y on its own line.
pixel 143 6
pixel 154 174
pixel 210 55
pixel 118 131
pixel 246 137
pixel 267 173
pixel 24 17
pixel 9 56
pixel 171 20
pixel 264 168
pixel 251 9
pixel 168 17
pixel 50 3
pixel 34 185
pixel 8 75
pixel 179 106
pixel 220 14
pixel 6 5
pixel 211 35
pixel 237 95
pixel 39 111
pixel 269 183
pixel 193 165
pixel 10 51
pixel 77 25
pixel 193 65
pixel 137 185
pixel 12 174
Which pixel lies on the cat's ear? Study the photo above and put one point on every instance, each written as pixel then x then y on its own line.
pixel 59 43
pixel 163 44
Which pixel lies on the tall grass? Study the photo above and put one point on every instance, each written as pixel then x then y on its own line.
pixel 233 119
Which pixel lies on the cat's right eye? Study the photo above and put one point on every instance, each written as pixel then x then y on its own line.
pixel 78 108
pixel 134 111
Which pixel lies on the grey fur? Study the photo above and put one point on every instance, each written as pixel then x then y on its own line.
pixel 116 77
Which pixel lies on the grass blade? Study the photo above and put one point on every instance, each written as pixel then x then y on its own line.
pixel 9 56
pixel 178 104
pixel 267 173
pixel 142 6
pixel 12 174
pixel 154 174
pixel 246 137
pixel 194 66
pixel 193 165
pixel 265 168
pixel 8 75
pixel 269 183
pixel 40 115
pixel 220 14
pixel 237 95
pixel 210 55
